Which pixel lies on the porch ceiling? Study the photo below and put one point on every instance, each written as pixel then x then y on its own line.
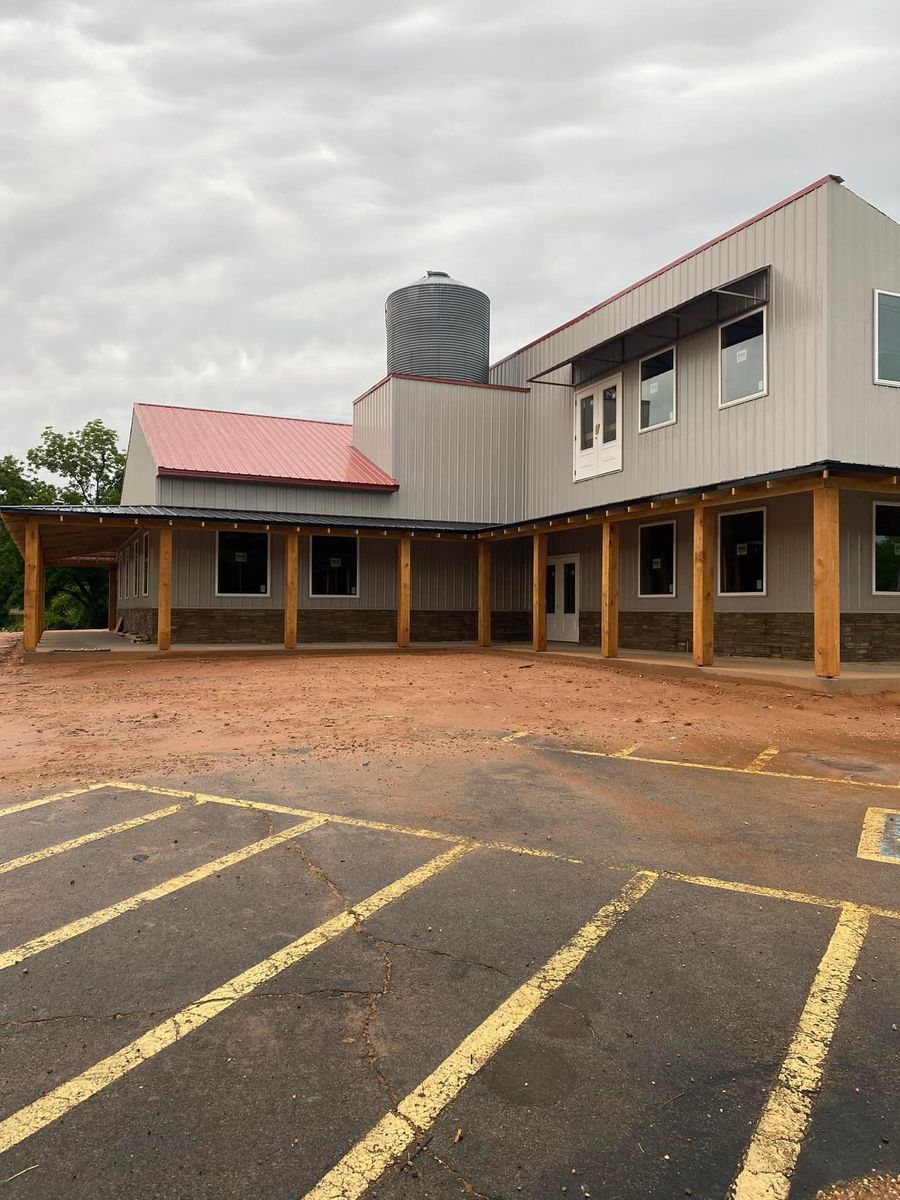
pixel 71 545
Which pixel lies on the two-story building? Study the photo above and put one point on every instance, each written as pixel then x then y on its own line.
pixel 706 462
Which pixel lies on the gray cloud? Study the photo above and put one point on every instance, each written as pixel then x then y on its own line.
pixel 206 201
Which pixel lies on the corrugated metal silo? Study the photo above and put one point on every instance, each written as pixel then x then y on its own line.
pixel 439 327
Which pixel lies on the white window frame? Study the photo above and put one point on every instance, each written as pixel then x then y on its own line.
pixel 246 595
pixel 144 544
pixel 736 512
pixel 881 382
pixel 330 595
pixel 875 505
pixel 660 595
pixel 123 574
pixel 765 389
pixel 656 354
pixel 580 471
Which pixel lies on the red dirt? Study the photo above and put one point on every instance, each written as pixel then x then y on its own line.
pixel 74 722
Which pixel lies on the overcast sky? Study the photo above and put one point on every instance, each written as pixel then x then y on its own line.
pixel 206 201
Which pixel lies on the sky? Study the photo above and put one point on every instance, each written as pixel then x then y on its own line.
pixel 206 202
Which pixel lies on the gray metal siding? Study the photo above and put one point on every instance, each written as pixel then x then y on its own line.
pixel 373 426
pixel 857 540
pixel 784 429
pixel 511 575
pixel 864 254
pixel 788 559
pixel 376 577
pixel 140 483
pixel 444 576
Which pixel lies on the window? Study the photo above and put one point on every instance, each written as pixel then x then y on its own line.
pixel 743 359
pixel 598 419
pixel 742 553
pixel 656 553
pixel 550 597
pixel 242 564
pixel 145 564
pixel 333 566
pixel 886 549
pixel 887 338
pixel 569 605
pixel 123 575
pixel 658 390
pixel 135 569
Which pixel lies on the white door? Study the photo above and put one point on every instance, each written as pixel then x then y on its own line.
pixel 562 598
pixel 598 429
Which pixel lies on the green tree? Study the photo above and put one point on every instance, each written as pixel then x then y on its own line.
pixel 89 467
pixel 88 461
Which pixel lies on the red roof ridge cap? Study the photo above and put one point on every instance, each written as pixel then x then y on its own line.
pixel 767 212
pixel 230 412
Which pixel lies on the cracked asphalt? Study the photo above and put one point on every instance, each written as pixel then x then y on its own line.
pixel 641 1069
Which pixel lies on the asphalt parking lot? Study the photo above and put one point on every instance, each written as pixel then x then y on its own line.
pixel 544 972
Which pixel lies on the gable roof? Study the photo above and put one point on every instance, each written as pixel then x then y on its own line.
pixel 767 212
pixel 259 449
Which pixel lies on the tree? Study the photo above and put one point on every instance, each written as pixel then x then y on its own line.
pixel 91 467
pixel 88 460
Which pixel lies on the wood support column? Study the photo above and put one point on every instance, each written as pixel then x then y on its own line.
pixel 609 591
pixel 704 611
pixel 113 603
pixel 164 598
pixel 31 619
pixel 404 589
pixel 484 593
pixel 539 593
pixel 827 581
pixel 290 592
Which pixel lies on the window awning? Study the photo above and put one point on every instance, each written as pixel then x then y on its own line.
pixel 692 316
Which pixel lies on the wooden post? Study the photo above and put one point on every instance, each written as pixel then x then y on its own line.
pixel 609 591
pixel 404 588
pixel 290 592
pixel 112 611
pixel 539 593
pixel 164 599
pixel 484 593
pixel 827 581
pixel 704 583
pixel 31 621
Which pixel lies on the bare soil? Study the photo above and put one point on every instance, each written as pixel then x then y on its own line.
pixel 75 722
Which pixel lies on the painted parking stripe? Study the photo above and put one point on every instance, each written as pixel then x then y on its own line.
pixel 26 804
pixel 354 822
pixel 26 860
pixel 880 837
pixel 764 756
pixel 416 1113
pixel 775 1147
pixel 61 1100
pixel 64 933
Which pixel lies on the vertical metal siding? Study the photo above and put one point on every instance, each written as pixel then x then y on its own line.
pixel 373 426
pixel 376 577
pixel 864 254
pixel 445 576
pixel 140 483
pixel 511 575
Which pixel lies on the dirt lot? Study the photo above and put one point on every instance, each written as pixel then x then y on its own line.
pixel 58 721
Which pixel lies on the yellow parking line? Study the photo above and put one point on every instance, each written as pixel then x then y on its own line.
pixel 15 808
pixel 63 933
pixel 37 855
pixel 69 1095
pixel 695 766
pixel 385 1143
pixel 627 752
pixel 775 1146
pixel 762 758
pixel 355 822
pixel 755 889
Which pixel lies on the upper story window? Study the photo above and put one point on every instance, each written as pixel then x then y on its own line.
pixel 887 338
pixel 742 553
pixel 333 566
pixel 886 549
pixel 743 365
pixel 242 567
pixel 598 429
pixel 656 556
pixel 657 374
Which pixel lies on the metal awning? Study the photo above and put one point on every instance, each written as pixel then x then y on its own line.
pixel 711 308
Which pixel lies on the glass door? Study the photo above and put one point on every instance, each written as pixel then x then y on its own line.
pixel 562 598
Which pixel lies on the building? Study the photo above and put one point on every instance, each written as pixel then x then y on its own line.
pixel 706 462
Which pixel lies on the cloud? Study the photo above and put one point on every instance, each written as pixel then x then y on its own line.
pixel 207 201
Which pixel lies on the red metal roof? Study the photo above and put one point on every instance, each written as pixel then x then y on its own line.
pixel 767 212
pixel 207 442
